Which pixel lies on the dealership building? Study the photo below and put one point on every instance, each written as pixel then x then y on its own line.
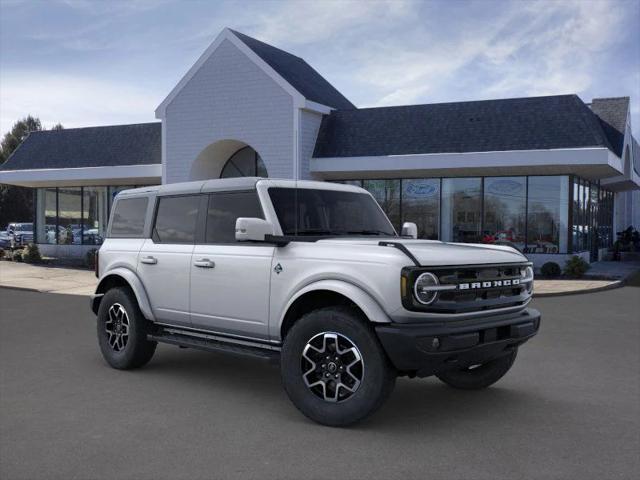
pixel 553 176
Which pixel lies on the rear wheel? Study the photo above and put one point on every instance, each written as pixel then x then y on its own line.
pixel 122 331
pixel 333 367
pixel 481 376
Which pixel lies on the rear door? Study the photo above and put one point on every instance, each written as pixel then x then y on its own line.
pixel 164 263
pixel 229 279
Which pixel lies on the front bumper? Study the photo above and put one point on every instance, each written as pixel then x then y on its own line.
pixel 428 348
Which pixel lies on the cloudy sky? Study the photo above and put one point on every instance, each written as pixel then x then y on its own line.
pixel 82 62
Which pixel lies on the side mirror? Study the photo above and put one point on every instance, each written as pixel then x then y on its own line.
pixel 252 229
pixel 409 229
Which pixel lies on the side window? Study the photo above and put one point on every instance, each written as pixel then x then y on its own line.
pixel 224 209
pixel 176 219
pixel 128 218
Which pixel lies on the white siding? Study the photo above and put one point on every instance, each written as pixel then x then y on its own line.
pixel 309 126
pixel 229 97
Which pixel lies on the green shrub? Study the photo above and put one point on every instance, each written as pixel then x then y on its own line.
pixel 1 253
pixel 90 258
pixel 551 269
pixel 17 256
pixel 576 267
pixel 31 254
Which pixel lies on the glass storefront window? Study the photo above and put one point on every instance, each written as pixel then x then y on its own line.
pixel 547 218
pixel 355 183
pixel 461 209
pixel 94 215
pixel 421 205
pixel 46 215
pixel 505 203
pixel 73 215
pixel 387 194
pixel 528 213
pixel 70 216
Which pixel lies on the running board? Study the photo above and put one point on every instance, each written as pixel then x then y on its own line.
pixel 212 343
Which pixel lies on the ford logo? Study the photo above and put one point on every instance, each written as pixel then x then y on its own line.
pixel 505 186
pixel 421 189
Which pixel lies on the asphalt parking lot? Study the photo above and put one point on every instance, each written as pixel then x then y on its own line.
pixel 570 407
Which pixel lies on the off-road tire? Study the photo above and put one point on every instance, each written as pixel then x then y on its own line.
pixel 481 376
pixel 136 351
pixel 377 374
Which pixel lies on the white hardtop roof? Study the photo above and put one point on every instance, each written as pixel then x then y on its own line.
pixel 231 184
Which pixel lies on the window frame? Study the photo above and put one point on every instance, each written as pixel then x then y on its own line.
pixel 114 205
pixel 205 220
pixel 154 218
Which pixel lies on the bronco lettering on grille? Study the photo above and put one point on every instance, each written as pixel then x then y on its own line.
pixel 491 284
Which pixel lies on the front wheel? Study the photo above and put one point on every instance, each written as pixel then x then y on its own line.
pixel 122 331
pixel 481 376
pixel 334 368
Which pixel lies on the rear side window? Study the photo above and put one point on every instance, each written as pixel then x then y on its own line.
pixel 128 218
pixel 224 209
pixel 176 219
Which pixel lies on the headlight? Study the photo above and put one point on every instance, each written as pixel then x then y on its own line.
pixel 526 274
pixel 424 290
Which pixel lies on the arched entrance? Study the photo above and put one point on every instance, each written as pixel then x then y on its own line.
pixel 244 163
pixel 226 159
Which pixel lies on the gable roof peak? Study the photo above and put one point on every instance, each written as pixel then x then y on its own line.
pixel 297 72
pixel 292 73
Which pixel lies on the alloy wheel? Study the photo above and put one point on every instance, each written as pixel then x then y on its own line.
pixel 332 366
pixel 117 327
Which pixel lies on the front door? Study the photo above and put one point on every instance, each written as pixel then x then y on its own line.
pixel 164 263
pixel 229 279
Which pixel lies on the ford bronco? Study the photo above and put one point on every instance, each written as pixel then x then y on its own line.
pixel 314 276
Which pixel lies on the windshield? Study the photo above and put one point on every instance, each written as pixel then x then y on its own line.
pixel 319 212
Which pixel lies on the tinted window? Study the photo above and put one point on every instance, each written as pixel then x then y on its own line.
pixel 224 209
pixel 128 217
pixel 328 212
pixel 176 219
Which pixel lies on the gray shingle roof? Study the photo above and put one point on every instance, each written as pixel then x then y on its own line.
pixel 532 123
pixel 116 145
pixel 298 73
pixel 612 113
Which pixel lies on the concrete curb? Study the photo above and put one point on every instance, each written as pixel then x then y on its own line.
pixel 26 289
pixel 612 286
pixel 29 289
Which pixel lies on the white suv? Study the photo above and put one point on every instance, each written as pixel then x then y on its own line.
pixel 312 274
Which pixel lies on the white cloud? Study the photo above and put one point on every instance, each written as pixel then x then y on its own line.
pixel 296 22
pixel 533 48
pixel 72 100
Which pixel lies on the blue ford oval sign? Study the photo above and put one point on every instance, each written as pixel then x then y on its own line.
pixel 421 188
pixel 505 187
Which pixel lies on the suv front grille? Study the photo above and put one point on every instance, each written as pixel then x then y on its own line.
pixel 475 288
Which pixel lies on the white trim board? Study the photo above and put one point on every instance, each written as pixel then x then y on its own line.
pixel 60 177
pixel 599 162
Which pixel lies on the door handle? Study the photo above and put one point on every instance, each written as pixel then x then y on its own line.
pixel 204 263
pixel 149 260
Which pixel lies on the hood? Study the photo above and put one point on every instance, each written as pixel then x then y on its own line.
pixel 435 253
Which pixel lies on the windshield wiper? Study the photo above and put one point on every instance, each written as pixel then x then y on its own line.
pixel 316 231
pixel 369 232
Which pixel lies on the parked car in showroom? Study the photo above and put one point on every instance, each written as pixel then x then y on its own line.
pixel 20 234
pixel 313 275
pixel 5 240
